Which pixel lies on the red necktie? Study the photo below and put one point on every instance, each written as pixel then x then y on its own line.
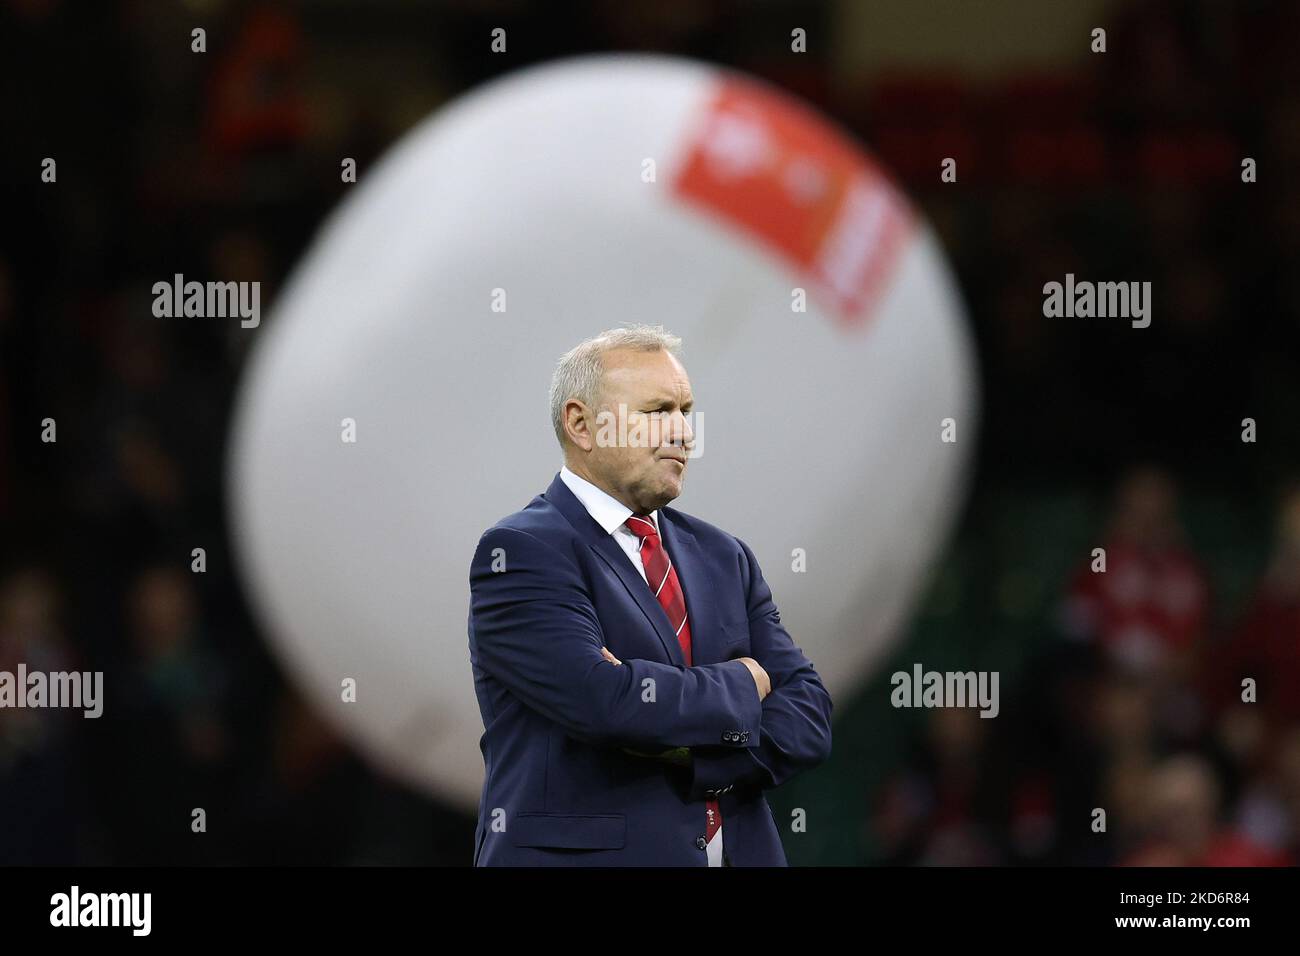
pixel 662 578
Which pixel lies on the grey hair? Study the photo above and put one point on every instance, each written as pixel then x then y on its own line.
pixel 580 371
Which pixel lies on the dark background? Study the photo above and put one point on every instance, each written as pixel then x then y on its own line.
pixel 1117 166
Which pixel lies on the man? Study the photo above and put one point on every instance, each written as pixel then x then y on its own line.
pixel 638 691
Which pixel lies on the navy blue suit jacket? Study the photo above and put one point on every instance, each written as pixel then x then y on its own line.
pixel 548 588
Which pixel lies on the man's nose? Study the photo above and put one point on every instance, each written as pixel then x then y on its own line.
pixel 677 430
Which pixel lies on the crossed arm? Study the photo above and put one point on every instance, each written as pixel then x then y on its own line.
pixel 536 631
pixel 796 715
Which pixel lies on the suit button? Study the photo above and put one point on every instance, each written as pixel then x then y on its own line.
pixel 710 793
pixel 744 736
pixel 701 843
pixel 728 736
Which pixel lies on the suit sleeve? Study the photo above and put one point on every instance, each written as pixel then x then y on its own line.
pixel 796 717
pixel 535 630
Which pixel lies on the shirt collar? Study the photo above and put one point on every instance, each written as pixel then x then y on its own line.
pixel 608 511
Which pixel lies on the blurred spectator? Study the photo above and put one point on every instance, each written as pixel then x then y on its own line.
pixel 38 771
pixel 1265 646
pixel 1184 826
pixel 935 812
pixel 173 730
pixel 1148 609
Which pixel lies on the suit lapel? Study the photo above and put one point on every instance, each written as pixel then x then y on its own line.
pixel 617 559
pixel 604 545
pixel 697 584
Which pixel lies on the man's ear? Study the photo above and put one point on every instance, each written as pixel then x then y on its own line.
pixel 578 424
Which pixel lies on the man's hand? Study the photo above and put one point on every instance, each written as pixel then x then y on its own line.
pixel 604 652
pixel 761 680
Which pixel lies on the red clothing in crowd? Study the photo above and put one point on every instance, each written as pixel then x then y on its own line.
pixel 1146 603
pixel 1227 848
pixel 1265 647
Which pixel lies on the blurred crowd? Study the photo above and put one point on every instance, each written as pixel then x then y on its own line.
pixel 1148 731
pixel 224 164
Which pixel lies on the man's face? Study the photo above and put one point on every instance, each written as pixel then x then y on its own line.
pixel 652 393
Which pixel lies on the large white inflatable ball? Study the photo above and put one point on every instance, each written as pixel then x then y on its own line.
pixel 395 405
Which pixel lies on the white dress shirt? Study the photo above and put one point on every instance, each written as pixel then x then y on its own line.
pixel 611 514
